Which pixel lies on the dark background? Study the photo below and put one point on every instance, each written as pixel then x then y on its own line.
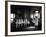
pixel 19 12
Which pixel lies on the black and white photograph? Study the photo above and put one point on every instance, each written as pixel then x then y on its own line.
pixel 25 18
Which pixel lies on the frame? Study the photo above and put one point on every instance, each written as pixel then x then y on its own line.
pixel 9 15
